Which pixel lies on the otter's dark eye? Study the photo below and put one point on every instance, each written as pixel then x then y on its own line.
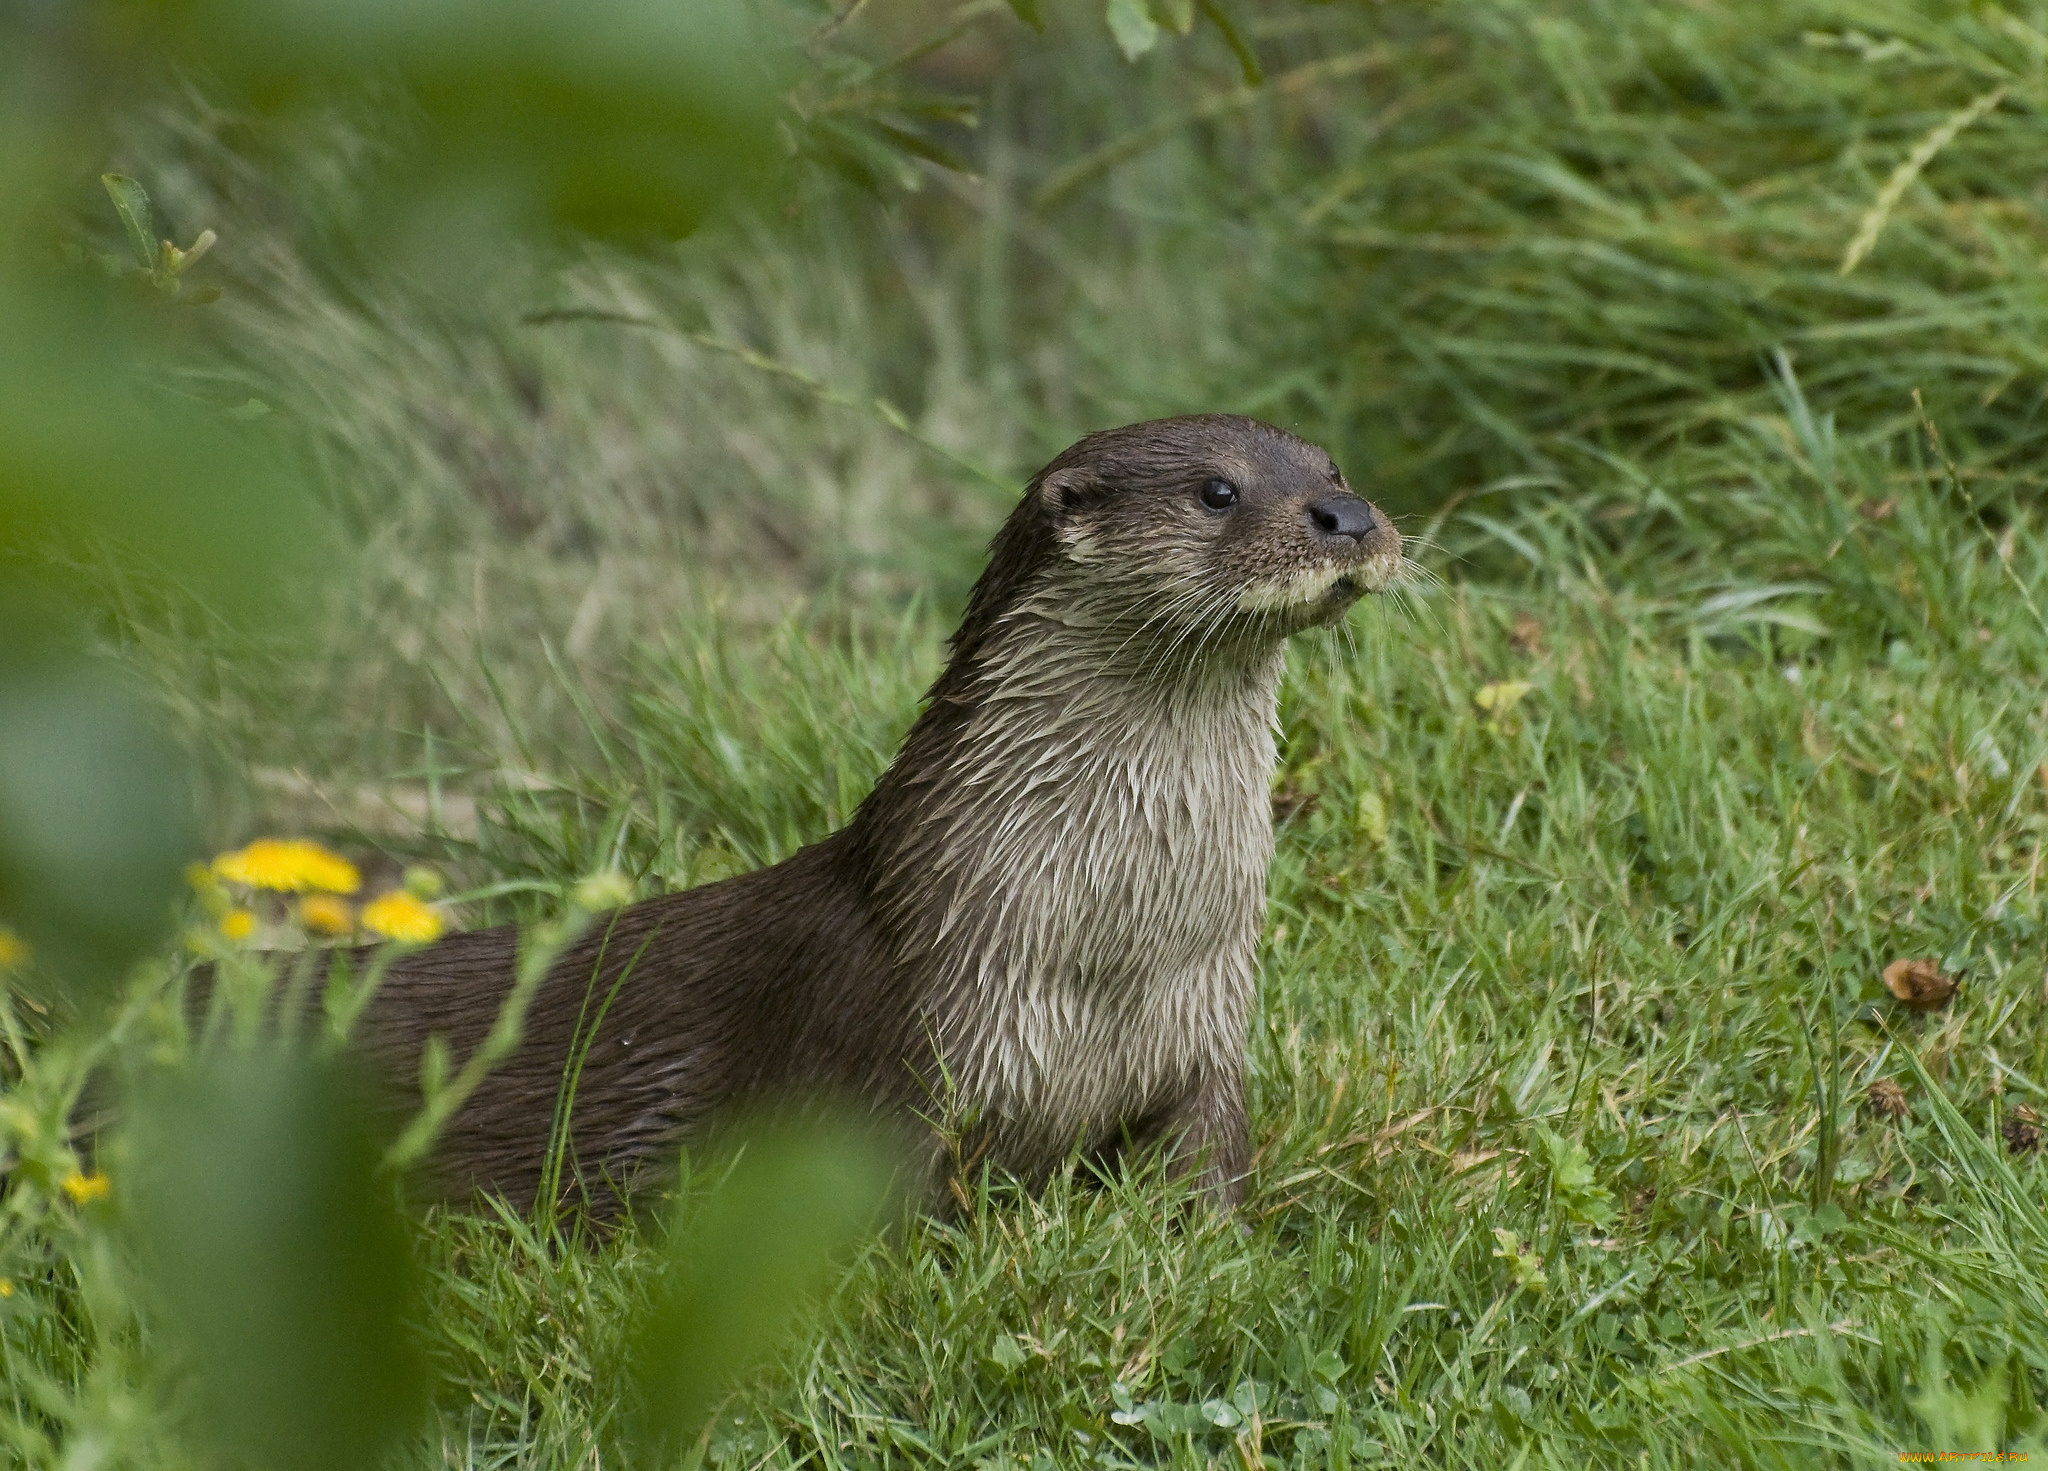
pixel 1218 495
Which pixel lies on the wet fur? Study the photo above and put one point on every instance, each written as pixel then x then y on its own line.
pixel 1036 934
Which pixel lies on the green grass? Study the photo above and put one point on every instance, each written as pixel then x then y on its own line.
pixel 1568 1012
pixel 1642 917
pixel 1600 972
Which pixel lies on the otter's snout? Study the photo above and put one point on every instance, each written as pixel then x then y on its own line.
pixel 1343 515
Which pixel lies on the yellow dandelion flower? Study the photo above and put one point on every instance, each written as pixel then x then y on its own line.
pixel 326 915
pixel 13 949
pixel 289 865
pixel 400 916
pixel 85 1188
pixel 238 924
pixel 6 1287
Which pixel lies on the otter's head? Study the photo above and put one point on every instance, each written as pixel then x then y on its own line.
pixel 1204 530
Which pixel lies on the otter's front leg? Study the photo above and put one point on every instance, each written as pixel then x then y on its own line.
pixel 1202 1133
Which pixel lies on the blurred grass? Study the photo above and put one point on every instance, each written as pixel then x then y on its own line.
pixel 1562 282
pixel 1514 245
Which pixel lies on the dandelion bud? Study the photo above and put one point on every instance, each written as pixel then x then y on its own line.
pixel 423 883
pixel 601 891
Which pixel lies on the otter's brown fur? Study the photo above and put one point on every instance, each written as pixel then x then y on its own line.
pixel 1040 923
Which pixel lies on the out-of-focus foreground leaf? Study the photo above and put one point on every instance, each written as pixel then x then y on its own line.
pixel 138 217
pixel 98 452
pixel 95 446
pixel 95 813
pixel 279 1254
pixel 1131 22
pixel 620 117
pixel 741 1264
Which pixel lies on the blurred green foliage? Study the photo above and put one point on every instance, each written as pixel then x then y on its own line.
pixel 281 1258
pixel 1635 297
pixel 631 118
pixel 262 1190
pixel 99 449
pixel 742 1261
pixel 95 817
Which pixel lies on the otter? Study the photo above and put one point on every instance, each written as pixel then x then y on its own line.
pixel 1038 930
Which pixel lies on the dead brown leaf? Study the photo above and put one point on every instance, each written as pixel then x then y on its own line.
pixel 1291 799
pixel 1886 1097
pixel 1920 984
pixel 2022 1131
pixel 1381 1142
pixel 1466 1161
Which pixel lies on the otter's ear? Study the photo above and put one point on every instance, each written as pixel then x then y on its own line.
pixel 1065 493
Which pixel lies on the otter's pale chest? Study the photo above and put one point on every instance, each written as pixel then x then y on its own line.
pixel 1102 882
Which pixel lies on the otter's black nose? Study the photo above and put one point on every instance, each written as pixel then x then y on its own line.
pixel 1342 515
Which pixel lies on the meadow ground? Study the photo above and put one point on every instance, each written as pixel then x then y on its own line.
pixel 1587 1129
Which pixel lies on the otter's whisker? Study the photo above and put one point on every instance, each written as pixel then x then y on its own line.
pixel 1190 599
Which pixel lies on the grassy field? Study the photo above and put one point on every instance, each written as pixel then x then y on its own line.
pixel 1587 1129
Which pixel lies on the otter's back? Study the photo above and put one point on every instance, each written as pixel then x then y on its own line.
pixel 656 1016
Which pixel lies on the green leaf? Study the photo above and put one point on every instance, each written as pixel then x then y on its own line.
pixel 741 1265
pixel 1824 1223
pixel 281 1260
pixel 633 119
pixel 434 1065
pixel 1572 1182
pixel 1177 16
pixel 86 458
pixel 131 203
pixel 918 145
pixel 857 153
pixel 1006 1353
pixel 1031 13
pixel 1132 25
pixel 95 811
pixel 1240 46
pixel 1524 1263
